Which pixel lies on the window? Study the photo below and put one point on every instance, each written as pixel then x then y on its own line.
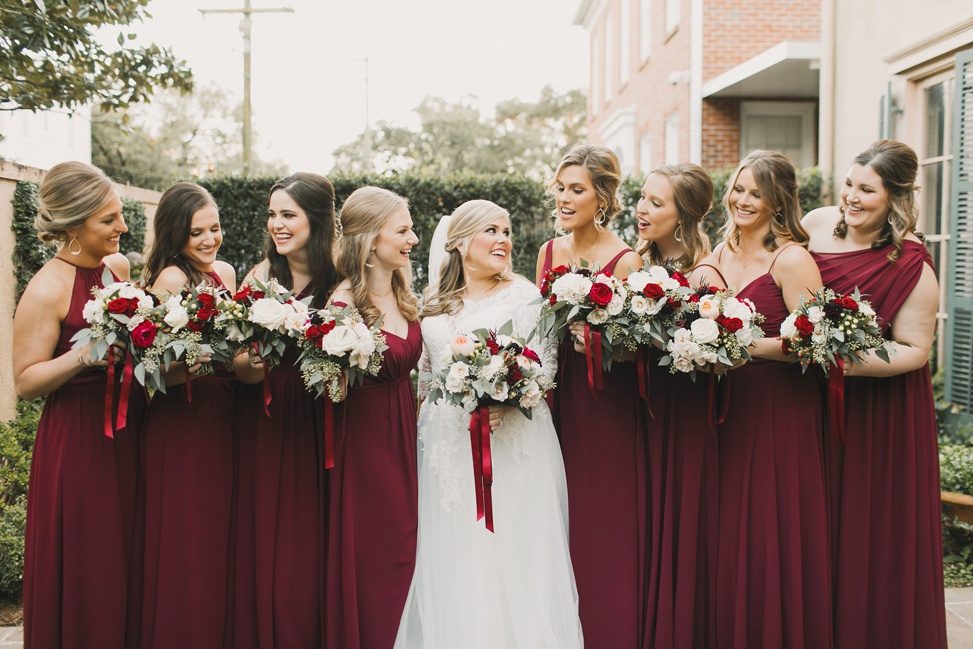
pixel 609 45
pixel 672 139
pixel 787 127
pixel 645 29
pixel 672 15
pixel 624 28
pixel 595 70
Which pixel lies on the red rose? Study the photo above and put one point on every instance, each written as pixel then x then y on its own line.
pixel 679 277
pixel 694 297
pixel 653 291
pixel 674 303
pixel 529 353
pixel 732 325
pixel 144 334
pixel 849 303
pixel 805 326
pixel 557 272
pixel 195 326
pixel 257 295
pixel 514 375
pixel 546 287
pixel 711 290
pixel 242 294
pixel 205 313
pixel 118 305
pixel 207 300
pixel 600 294
pixel 492 346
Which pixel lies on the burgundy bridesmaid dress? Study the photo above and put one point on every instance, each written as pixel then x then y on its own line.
pixel 187 459
pixel 772 588
pixel 683 483
pixel 82 552
pixel 884 479
pixel 374 500
pixel 603 447
pixel 279 513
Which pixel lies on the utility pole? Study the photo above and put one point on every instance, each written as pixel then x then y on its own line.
pixel 245 26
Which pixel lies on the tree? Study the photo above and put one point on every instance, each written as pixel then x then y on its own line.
pixel 523 137
pixel 50 56
pixel 176 137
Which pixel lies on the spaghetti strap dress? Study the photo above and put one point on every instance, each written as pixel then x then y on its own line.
pixel 279 514
pixel 884 478
pixel 187 460
pixel 772 586
pixel 374 500
pixel 603 446
pixel 82 551
pixel 683 483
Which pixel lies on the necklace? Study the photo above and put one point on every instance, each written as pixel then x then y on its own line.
pixel 371 292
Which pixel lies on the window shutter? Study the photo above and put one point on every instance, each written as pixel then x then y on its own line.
pixel 959 287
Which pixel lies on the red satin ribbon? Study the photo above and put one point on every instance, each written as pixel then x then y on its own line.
pixel 121 419
pixel 189 383
pixel 328 432
pixel 711 399
pixel 836 398
pixel 482 464
pixel 109 399
pixel 724 407
pixel 592 353
pixel 644 373
pixel 267 395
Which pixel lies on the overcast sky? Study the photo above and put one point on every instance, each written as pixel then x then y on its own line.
pixel 308 74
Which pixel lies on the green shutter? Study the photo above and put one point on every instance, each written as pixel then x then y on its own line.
pixel 959 283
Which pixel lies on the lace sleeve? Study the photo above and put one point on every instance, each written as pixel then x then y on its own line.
pixel 425 367
pixel 526 319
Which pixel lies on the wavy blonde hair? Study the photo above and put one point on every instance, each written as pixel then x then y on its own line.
pixel 465 223
pixel 776 179
pixel 362 217
pixel 897 165
pixel 605 172
pixel 69 193
pixel 692 192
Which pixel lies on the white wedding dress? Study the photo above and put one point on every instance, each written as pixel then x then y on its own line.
pixel 473 588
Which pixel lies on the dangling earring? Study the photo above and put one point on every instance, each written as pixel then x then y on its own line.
pixel 74 240
pixel 890 220
pixel 601 216
pixel 368 265
pixel 675 235
pixel 779 218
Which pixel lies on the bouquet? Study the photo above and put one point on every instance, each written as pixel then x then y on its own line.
pixel 657 299
pixel 715 328
pixel 489 368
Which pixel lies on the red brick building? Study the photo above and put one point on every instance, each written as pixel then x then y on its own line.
pixel 703 80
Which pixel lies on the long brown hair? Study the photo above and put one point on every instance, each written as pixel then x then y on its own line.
pixel 692 192
pixel 172 223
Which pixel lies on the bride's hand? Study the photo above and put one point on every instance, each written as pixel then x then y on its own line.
pixel 497 413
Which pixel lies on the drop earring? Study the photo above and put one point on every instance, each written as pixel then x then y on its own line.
pixel 368 265
pixel 74 240
pixel 675 235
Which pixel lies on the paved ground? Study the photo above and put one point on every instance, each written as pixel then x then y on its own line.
pixel 959 622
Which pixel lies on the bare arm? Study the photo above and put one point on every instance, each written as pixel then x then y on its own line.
pixel 798 277
pixel 541 256
pixel 630 261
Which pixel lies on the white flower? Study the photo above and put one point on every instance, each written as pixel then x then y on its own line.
pixel 639 304
pixel 456 378
pixel 734 308
pixel 638 280
pixel 616 305
pixel 269 313
pixel 364 346
pixel 687 350
pixel 709 307
pixel 462 346
pixel 815 313
pixel 94 311
pixel 339 341
pixel 818 337
pixel 491 369
pixel 745 336
pixel 128 291
pixel 707 356
pixel 598 316
pixel 787 328
pixel 571 288
pixel 532 396
pixel 145 302
pixel 670 284
pixel 176 316
pixel 296 317
pixel 503 340
pixel 866 309
pixel 500 392
pixel 681 335
pixel 683 364
pixel 233 333
pixel 135 321
pixel 605 279
pixel 658 274
pixel 705 330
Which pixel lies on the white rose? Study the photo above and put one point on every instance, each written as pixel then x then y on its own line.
pixel 638 280
pixel 707 356
pixel 734 308
pixel 687 350
pixel 500 392
pixel 709 307
pixel 639 304
pixel 128 291
pixel 658 274
pixel 787 328
pixel 145 302
pixel 339 341
pixel 745 336
pixel 462 346
pixel 532 396
pixel 683 364
pixel 681 335
pixel 94 311
pixel 866 309
pixel 815 313
pixel 655 306
pixel 492 368
pixel 296 317
pixel 598 316
pixel 616 305
pixel 135 321
pixel 605 279
pixel 234 333
pixel 571 287
pixel 269 313
pixel 177 316
pixel 705 330
pixel 364 346
pixel 455 379
pixel 670 284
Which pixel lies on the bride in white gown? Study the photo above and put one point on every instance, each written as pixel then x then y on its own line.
pixel 473 588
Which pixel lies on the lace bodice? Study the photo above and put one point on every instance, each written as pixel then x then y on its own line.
pixel 513 302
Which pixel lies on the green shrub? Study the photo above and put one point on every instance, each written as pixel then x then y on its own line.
pixel 13 521
pixel 956 468
pixel 16 447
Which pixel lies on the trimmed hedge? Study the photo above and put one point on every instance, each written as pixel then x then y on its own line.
pixel 30 253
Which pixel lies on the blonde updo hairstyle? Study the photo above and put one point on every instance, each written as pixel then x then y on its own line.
pixel 897 165
pixel 465 223
pixel 362 217
pixel 692 193
pixel 605 173
pixel 776 180
pixel 69 194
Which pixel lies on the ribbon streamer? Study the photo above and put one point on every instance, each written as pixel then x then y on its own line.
pixel 836 398
pixel 121 419
pixel 592 352
pixel 328 433
pixel 711 399
pixel 482 464
pixel 109 399
pixel 267 396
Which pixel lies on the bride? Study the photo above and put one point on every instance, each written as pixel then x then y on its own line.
pixel 473 588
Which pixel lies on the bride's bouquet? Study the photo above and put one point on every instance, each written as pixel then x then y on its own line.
pixel 488 368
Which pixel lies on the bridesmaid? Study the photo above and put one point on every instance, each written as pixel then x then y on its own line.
pixel 374 499
pixel 81 552
pixel 281 493
pixel 771 587
pixel 890 455
pixel 601 442
pixel 187 446
pixel 683 470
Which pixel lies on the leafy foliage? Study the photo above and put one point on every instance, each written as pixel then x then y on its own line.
pixel 16 446
pixel 13 522
pixel 956 475
pixel 50 55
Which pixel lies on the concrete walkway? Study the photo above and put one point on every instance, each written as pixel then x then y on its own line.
pixel 959 622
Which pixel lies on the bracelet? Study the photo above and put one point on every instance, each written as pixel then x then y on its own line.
pixel 81 360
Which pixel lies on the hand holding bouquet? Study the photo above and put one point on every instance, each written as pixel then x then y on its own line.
pixel 656 301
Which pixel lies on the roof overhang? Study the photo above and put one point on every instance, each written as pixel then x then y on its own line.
pixel 786 70
pixel 587 12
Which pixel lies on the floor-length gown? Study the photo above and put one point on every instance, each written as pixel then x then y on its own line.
pixel 683 484
pixel 279 510
pixel 773 588
pixel 82 551
pixel 884 479
pixel 373 495
pixel 604 459
pixel 472 588
pixel 187 460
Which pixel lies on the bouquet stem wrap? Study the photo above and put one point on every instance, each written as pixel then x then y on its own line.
pixel 482 464
pixel 592 352
pixel 836 397
pixel 121 420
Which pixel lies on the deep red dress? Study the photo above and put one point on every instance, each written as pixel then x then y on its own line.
pixel 603 447
pixel 683 483
pixel 279 510
pixel 82 552
pixel 187 459
pixel 374 502
pixel 884 480
pixel 773 588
